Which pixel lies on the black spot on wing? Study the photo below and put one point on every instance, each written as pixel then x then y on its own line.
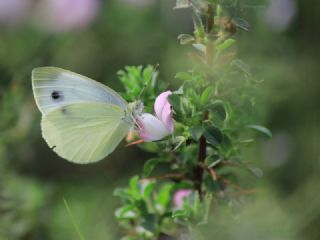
pixel 57 96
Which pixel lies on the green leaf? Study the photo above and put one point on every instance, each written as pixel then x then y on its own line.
pixel 175 101
pixel 200 47
pixel 180 213
pixel 196 132
pixel 206 209
pixel 185 39
pixel 213 160
pixel 149 166
pixel 218 109
pixel 126 212
pixel 206 94
pixel 265 131
pixel 199 30
pixel 256 171
pixel 148 187
pixel 178 141
pixel 134 187
pixel 164 196
pixel 213 135
pixel 123 194
pixel 242 66
pixel 252 169
pixel 196 205
pixel 184 76
pixel 225 45
pixel 241 23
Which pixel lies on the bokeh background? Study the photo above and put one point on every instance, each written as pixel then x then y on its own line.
pixel 98 38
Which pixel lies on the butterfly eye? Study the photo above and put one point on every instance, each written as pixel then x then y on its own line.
pixel 56 95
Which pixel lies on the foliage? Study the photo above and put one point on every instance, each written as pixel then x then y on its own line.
pixel 214 111
pixel 285 203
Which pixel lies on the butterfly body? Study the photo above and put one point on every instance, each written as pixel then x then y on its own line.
pixel 83 120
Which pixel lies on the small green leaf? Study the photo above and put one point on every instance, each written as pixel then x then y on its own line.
pixel 225 45
pixel 213 135
pixel 195 204
pixel 178 141
pixel 134 187
pixel 175 101
pixel 200 47
pixel 213 160
pixel 126 212
pixel 206 94
pixel 199 30
pixel 256 171
pixel 241 23
pixel 184 76
pixel 242 66
pixel 185 39
pixel 181 213
pixel 261 129
pixel 196 132
pixel 149 166
pixel 164 196
pixel 148 188
pixel 206 209
pixel 123 194
pixel 218 110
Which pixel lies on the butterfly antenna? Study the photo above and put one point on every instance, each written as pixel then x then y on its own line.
pixel 153 75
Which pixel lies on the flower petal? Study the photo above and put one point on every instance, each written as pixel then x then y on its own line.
pixel 179 197
pixel 162 108
pixel 151 128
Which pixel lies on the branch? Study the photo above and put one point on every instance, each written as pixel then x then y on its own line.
pixel 202 153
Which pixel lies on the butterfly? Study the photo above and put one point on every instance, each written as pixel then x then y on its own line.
pixel 83 120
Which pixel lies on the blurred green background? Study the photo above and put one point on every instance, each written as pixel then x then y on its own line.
pixel 96 39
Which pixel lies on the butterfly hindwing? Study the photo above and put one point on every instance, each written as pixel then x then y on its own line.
pixel 55 87
pixel 84 132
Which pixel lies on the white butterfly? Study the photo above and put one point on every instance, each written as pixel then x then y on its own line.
pixel 83 120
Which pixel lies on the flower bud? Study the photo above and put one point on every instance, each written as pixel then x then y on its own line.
pixel 179 197
pixel 153 128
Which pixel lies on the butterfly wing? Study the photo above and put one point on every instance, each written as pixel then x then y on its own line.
pixel 85 132
pixel 55 87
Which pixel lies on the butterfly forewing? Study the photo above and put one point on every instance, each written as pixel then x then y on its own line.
pixel 85 132
pixel 55 87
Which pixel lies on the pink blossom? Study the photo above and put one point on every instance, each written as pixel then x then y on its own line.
pixel 66 15
pixel 153 128
pixel 280 14
pixel 179 197
pixel 14 11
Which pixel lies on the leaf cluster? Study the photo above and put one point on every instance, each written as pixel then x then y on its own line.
pixel 215 113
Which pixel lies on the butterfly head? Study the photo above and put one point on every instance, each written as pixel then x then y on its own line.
pixel 135 108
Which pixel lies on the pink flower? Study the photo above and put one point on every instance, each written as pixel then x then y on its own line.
pixel 14 11
pixel 280 13
pixel 179 197
pixel 153 128
pixel 66 15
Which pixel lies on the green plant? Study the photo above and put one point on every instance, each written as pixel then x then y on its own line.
pixel 214 112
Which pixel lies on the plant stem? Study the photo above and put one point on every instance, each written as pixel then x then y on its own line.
pixel 210 20
pixel 202 153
